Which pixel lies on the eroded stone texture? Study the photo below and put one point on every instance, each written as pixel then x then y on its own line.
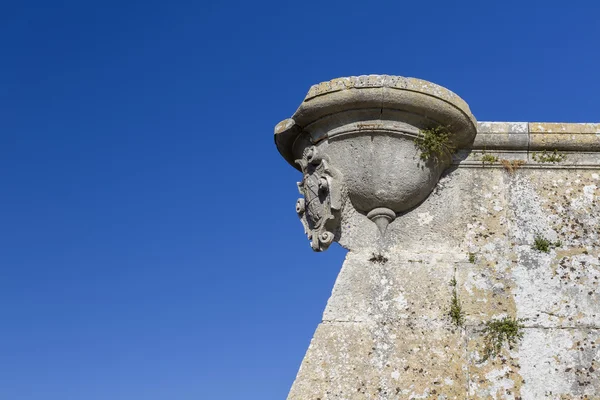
pixel 546 364
pixel 370 289
pixel 497 377
pixel 509 232
pixel 369 360
pixel 396 307
pixel 558 288
pixel 502 135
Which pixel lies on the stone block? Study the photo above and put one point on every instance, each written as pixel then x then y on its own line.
pixel 545 364
pixel 357 361
pixel 390 289
pixel 564 136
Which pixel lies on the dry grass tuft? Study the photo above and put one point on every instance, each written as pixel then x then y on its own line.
pixel 512 165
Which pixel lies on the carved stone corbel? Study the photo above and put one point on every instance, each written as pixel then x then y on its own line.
pixel 371 129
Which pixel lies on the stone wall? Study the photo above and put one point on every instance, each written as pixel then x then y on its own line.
pixel 386 331
pixel 497 240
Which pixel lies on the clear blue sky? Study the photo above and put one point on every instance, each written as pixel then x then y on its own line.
pixel 149 244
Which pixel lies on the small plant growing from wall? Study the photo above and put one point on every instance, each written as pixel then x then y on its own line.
pixel 378 258
pixel 511 165
pixel 471 257
pixel 547 157
pixel 496 333
pixel 456 313
pixel 488 158
pixel 435 143
pixel 544 245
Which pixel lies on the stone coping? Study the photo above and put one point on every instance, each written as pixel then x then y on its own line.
pixel 516 136
pixel 526 136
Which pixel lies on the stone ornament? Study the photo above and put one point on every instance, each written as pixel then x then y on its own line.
pixel 319 210
pixel 366 128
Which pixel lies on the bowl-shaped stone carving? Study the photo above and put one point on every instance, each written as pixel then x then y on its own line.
pixel 366 129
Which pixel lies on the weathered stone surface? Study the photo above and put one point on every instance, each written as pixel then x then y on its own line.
pixel 494 215
pixel 509 276
pixel 560 287
pixel 385 287
pixel 490 127
pixel 335 107
pixel 537 136
pixel 366 128
pixel 546 364
pixel 560 363
pixel 389 81
pixel 505 235
pixel 563 128
pixel 564 141
pixel 497 377
pixel 356 361
pixel 502 135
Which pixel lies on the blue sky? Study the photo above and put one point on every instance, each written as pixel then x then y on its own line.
pixel 149 244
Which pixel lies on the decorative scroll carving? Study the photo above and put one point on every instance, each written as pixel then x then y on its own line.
pixel 320 208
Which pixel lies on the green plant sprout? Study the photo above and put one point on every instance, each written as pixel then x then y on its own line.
pixel 498 332
pixel 435 143
pixel 544 245
pixel 488 158
pixel 546 157
pixel 456 312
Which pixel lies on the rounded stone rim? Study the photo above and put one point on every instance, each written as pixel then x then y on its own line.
pixel 358 92
pixel 387 81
